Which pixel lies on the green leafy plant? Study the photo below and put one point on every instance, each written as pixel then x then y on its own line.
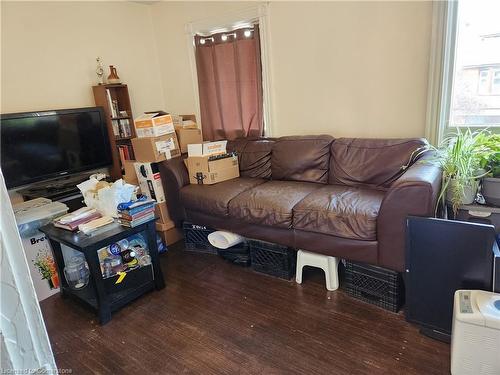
pixel 463 157
pixel 491 162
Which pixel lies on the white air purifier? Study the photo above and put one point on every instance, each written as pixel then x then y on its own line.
pixel 475 340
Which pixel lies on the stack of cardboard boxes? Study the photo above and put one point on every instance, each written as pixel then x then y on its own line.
pixel 162 136
pixel 157 141
pixel 209 163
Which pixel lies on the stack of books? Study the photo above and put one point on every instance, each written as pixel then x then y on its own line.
pixel 81 216
pixel 137 213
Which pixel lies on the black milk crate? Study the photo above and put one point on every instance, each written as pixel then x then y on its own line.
pixel 196 238
pixel 375 285
pixel 237 254
pixel 273 259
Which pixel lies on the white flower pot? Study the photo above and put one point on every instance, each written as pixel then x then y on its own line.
pixel 469 193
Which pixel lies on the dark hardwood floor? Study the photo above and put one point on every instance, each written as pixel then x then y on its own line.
pixel 217 318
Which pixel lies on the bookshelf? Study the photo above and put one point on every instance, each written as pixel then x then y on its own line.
pixel 115 100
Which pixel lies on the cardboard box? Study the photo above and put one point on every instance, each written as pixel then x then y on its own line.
pixel 207 148
pixel 155 149
pixel 162 227
pixel 154 124
pixel 208 170
pixel 189 122
pixel 187 131
pixel 150 183
pixel 37 246
pixel 170 236
pixel 188 136
pixel 169 233
pixel 184 121
pixel 161 211
pixel 129 176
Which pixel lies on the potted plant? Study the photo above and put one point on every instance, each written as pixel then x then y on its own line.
pixel 460 157
pixel 491 182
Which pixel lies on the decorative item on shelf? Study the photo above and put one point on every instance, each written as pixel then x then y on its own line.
pixel 113 76
pixel 99 71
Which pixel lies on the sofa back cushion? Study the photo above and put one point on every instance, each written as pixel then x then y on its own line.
pixel 371 162
pixel 254 156
pixel 301 158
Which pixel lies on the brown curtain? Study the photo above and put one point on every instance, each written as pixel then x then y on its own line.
pixel 230 84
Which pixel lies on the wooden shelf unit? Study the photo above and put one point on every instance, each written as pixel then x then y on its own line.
pixel 118 92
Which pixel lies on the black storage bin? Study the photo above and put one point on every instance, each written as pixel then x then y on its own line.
pixel 196 238
pixel 375 285
pixel 273 259
pixel 237 254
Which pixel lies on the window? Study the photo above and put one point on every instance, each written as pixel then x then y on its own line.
pixel 483 82
pixel 243 27
pixel 230 83
pixel 495 85
pixel 475 92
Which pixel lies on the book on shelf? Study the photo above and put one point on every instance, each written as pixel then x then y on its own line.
pixel 110 103
pixel 125 124
pixel 121 128
pixel 116 128
pixel 126 152
pixel 115 111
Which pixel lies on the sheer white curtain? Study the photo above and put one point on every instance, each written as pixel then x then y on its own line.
pixel 444 21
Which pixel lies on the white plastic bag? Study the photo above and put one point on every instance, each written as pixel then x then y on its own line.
pixel 223 240
pixel 106 199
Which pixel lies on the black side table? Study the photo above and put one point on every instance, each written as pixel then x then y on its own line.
pixel 478 213
pixel 104 294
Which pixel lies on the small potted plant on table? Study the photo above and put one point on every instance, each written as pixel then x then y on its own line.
pixel 491 182
pixel 461 157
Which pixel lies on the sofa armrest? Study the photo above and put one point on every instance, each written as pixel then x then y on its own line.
pixel 174 176
pixel 414 193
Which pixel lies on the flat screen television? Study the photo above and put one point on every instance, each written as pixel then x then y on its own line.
pixel 37 146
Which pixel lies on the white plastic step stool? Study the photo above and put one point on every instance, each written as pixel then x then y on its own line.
pixel 326 263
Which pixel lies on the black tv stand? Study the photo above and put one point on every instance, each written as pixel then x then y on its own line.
pixel 63 190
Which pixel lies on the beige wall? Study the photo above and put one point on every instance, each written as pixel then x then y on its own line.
pixel 49 51
pixel 342 68
pixel 169 21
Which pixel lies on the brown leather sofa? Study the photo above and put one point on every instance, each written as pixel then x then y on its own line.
pixel 343 197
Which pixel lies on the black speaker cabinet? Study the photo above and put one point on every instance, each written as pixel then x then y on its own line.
pixel 441 257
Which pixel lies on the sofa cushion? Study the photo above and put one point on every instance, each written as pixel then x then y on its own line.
pixel 370 162
pixel 270 203
pixel 341 211
pixel 301 158
pixel 214 199
pixel 254 156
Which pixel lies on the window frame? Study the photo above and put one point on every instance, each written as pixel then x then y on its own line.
pixel 495 87
pixel 441 72
pixel 230 21
pixel 484 82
